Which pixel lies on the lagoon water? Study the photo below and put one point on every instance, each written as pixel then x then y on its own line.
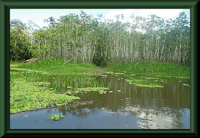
pixel 132 108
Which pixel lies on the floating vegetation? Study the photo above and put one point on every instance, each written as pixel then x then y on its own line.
pixel 183 77
pixel 93 89
pixel 101 91
pixel 104 75
pixel 132 74
pixel 110 72
pixel 128 80
pixel 186 85
pixel 119 73
pixel 118 90
pixel 110 91
pixel 56 117
pixel 62 116
pixel 26 95
pixel 162 81
pixel 77 91
pixel 143 83
pixel 151 78
pixel 149 86
pixel 68 92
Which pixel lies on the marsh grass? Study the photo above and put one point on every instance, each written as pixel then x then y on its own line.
pixel 158 68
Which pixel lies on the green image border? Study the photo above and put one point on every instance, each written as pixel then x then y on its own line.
pixel 6 5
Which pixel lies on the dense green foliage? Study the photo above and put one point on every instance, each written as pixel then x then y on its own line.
pixel 83 38
pixel 19 44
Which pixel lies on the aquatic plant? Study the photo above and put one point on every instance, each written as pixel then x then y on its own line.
pixel 27 96
pixel 186 85
pixel 119 73
pixel 143 83
pixel 56 117
pixel 149 85
pixel 110 72
pixel 109 84
pixel 62 116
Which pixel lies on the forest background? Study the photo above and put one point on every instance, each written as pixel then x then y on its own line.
pixel 84 39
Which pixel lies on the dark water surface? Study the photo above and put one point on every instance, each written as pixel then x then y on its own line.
pixel 132 108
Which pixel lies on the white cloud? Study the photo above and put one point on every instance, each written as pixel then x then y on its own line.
pixel 63 14
pixel 163 13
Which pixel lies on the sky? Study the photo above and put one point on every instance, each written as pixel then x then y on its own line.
pixel 38 15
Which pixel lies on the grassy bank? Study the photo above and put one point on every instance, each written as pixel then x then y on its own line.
pixel 157 68
pixel 58 66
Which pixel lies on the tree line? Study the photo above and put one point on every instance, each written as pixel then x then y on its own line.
pixel 83 38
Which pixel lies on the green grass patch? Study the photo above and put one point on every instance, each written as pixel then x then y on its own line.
pixel 15 64
pixel 57 66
